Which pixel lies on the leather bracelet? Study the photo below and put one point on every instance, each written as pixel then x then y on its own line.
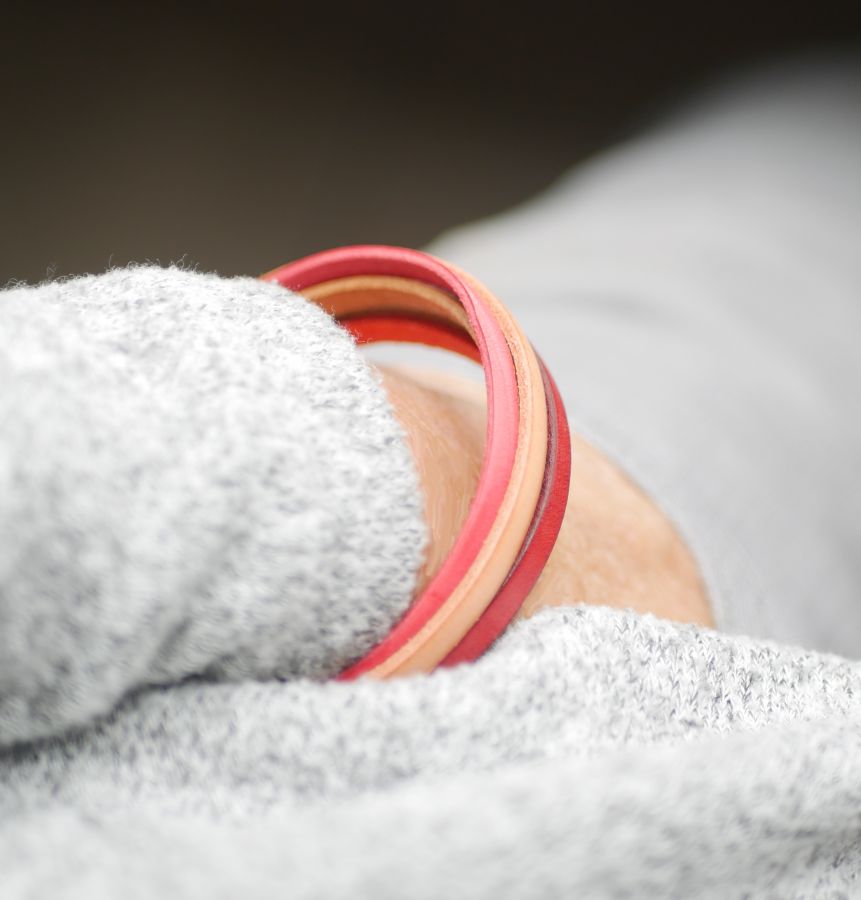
pixel 379 292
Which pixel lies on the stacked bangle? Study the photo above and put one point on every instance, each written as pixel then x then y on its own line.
pixel 384 293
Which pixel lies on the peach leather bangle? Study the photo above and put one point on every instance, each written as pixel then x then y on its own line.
pixel 379 292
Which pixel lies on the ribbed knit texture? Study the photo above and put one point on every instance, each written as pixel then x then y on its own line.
pixel 696 295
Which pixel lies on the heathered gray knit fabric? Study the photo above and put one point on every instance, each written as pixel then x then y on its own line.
pixel 697 295
pixel 191 468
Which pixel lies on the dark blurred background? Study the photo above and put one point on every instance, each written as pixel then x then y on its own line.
pixel 239 136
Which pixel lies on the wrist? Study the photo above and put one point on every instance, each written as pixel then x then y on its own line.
pixel 615 547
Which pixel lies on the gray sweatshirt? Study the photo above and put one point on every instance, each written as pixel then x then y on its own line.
pixel 207 507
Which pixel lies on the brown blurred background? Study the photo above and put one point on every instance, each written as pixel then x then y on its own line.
pixel 238 136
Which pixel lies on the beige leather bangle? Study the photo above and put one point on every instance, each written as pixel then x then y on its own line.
pixel 352 295
pixel 385 293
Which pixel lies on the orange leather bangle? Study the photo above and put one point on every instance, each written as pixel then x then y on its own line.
pixel 393 293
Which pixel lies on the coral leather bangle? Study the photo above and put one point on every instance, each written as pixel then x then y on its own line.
pixel 384 293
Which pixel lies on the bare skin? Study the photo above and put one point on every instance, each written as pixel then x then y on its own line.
pixel 615 548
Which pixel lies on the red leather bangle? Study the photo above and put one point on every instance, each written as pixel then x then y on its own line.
pixel 540 539
pixel 394 293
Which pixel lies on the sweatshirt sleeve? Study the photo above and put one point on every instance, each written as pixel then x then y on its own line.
pixel 200 476
pixel 695 292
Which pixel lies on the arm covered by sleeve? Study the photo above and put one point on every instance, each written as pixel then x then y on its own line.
pixel 695 292
pixel 199 475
